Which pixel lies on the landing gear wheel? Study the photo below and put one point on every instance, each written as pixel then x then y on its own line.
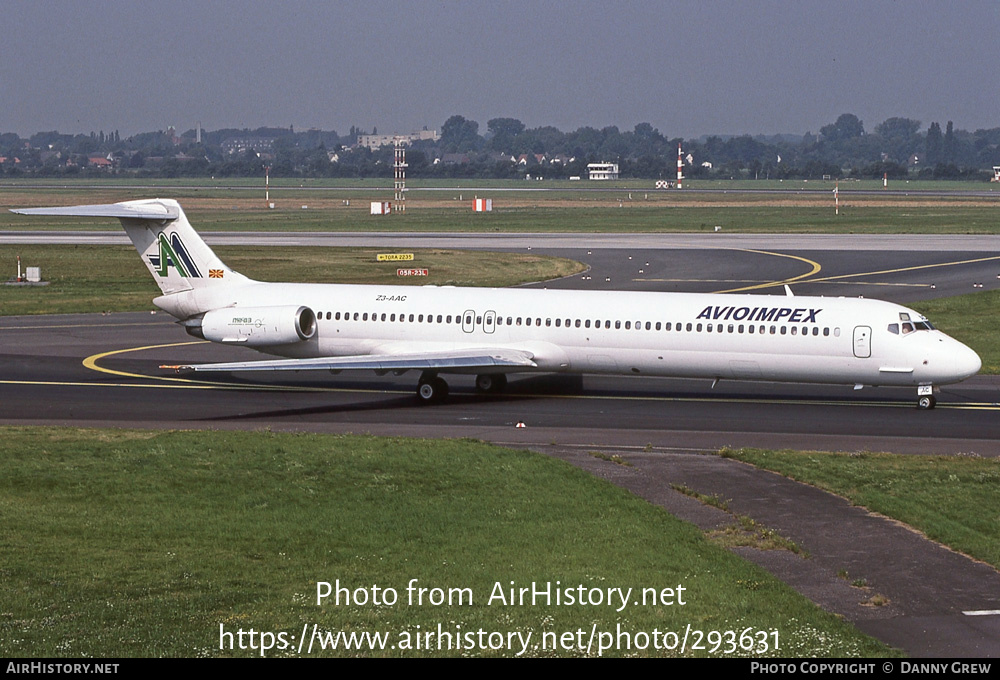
pixel 926 403
pixel 431 390
pixel 491 383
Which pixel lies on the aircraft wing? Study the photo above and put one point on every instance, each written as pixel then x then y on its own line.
pixel 476 358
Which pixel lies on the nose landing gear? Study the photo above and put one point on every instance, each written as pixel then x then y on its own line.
pixel 925 397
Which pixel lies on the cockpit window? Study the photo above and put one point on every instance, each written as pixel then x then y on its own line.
pixel 908 325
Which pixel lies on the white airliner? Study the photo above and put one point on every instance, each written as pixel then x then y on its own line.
pixel 491 332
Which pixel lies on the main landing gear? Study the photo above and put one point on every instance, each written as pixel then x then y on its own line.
pixel 432 389
pixel 491 383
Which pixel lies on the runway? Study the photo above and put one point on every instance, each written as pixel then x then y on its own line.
pixel 102 370
pixel 634 243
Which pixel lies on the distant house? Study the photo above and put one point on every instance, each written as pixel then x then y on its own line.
pixel 531 159
pixel 602 171
pixel 239 145
pixel 375 142
pixel 454 159
pixel 99 162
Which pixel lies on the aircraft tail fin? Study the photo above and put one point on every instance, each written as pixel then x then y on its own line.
pixel 176 256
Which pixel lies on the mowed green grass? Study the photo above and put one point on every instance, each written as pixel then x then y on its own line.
pixel 202 184
pixel 589 214
pixel 584 207
pixel 629 218
pixel 87 279
pixel 951 499
pixel 134 543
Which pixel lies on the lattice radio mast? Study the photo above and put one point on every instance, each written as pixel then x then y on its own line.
pixel 399 168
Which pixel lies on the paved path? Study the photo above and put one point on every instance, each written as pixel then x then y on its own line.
pixel 928 587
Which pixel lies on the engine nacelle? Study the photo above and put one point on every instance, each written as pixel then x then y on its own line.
pixel 256 326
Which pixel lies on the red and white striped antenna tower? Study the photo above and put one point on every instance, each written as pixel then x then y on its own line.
pixel 680 166
pixel 267 186
pixel 399 169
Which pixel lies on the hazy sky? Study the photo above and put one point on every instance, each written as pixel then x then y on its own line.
pixel 689 68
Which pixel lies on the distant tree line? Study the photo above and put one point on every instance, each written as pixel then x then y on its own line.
pixel 896 147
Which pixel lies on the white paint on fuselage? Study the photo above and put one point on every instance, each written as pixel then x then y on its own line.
pixel 728 351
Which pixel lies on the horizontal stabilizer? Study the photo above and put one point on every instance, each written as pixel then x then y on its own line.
pixel 175 255
pixel 134 210
pixel 427 361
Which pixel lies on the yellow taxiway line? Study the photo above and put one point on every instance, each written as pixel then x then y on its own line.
pixel 91 363
pixel 815 269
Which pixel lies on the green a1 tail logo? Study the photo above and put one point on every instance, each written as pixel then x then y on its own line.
pixel 173 253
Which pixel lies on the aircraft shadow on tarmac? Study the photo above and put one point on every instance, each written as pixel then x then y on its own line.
pixel 325 409
pixel 542 385
pixel 387 396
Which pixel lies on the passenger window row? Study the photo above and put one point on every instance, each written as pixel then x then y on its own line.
pixel 606 324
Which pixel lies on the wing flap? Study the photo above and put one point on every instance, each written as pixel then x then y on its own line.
pixel 426 361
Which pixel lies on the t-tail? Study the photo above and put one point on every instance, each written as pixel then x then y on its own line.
pixel 176 256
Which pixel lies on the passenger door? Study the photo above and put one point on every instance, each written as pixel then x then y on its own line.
pixel 862 342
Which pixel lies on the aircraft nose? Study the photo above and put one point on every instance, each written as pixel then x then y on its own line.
pixel 967 362
pixel 950 361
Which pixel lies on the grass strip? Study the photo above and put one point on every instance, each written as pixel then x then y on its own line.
pixel 112 278
pixel 951 499
pixel 126 543
pixel 598 213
